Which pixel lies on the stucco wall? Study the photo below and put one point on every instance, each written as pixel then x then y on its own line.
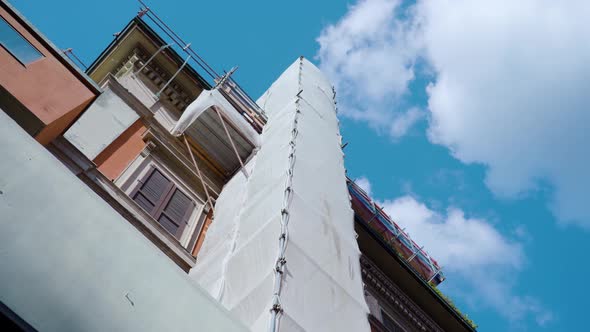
pixel 46 87
pixel 113 160
pixel 101 124
pixel 68 262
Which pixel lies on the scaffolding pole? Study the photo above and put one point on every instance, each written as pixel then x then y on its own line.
pixel 153 56
pixel 190 152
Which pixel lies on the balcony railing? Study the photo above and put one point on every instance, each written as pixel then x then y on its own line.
pixel 373 215
pixel 234 93
pixel 231 90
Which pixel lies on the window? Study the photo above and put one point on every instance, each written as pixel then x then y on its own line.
pixel 161 198
pixel 389 323
pixel 17 45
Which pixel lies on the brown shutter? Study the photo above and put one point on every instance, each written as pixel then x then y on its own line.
pixel 157 195
pixel 175 214
pixel 152 190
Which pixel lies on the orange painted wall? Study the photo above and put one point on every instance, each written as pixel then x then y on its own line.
pixel 57 127
pixel 46 87
pixel 113 160
pixel 201 238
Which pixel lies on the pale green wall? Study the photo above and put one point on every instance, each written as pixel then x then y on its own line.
pixel 106 118
pixel 69 262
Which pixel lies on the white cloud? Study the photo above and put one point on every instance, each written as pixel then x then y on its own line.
pixel 365 185
pixel 482 265
pixel 370 55
pixel 511 92
pixel 510 87
pixel 460 243
pixel 404 121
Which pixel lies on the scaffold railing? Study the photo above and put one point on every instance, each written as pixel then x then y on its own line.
pixel 372 215
pixel 233 92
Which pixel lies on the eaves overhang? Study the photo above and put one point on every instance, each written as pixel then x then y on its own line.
pixel 405 276
pixel 157 40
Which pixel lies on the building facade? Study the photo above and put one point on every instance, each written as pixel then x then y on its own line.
pixel 40 89
pixel 155 184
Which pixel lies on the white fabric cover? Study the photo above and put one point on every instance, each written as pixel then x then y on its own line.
pixel 321 288
pixel 211 98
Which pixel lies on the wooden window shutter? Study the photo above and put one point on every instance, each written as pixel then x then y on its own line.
pixel 158 196
pixel 151 191
pixel 175 214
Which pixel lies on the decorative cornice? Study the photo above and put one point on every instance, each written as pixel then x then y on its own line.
pixel 174 92
pixel 373 277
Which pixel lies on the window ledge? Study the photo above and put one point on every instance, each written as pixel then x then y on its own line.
pixel 122 203
pixel 147 221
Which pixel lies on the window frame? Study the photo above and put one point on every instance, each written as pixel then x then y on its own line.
pixel 129 179
pixel 17 58
pixel 385 315
pixel 162 203
pixel 379 308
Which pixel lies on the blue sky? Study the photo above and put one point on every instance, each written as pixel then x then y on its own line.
pixel 466 119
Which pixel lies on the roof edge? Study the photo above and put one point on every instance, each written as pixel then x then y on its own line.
pixel 156 37
pixel 393 253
